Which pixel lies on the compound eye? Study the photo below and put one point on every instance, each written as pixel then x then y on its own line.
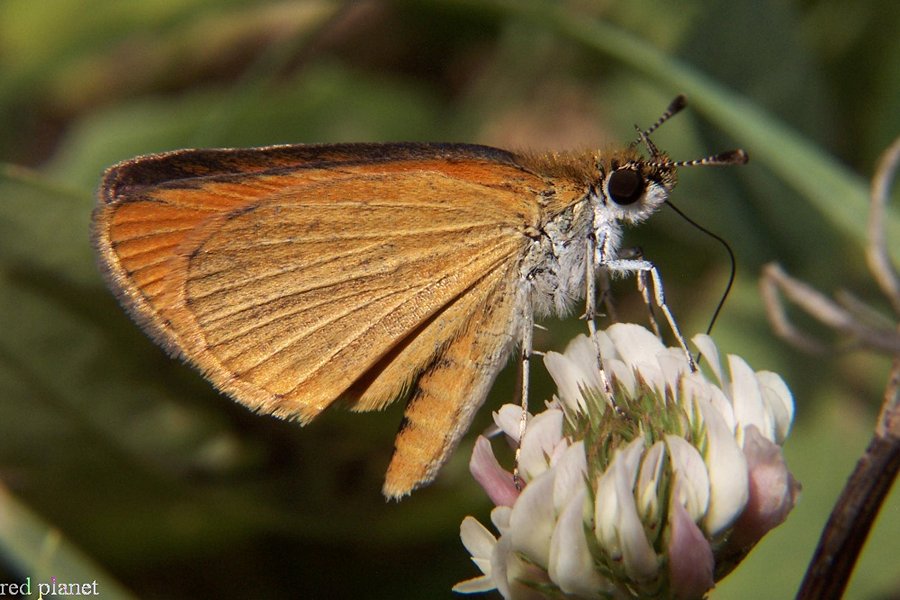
pixel 625 186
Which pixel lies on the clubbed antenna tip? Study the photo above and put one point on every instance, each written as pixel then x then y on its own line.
pixel 677 104
pixel 732 157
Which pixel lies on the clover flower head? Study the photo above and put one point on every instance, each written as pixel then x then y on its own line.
pixel 645 479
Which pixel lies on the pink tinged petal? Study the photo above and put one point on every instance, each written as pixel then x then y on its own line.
pixel 617 525
pixel 773 490
pixel 480 543
pixel 532 519
pixel 691 477
pixel 571 564
pixel 709 351
pixel 691 559
pixel 779 401
pixel 747 400
pixel 570 475
pixel 727 468
pixel 543 435
pixel 496 481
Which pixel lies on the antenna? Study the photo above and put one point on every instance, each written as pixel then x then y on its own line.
pixel 675 107
pixel 732 157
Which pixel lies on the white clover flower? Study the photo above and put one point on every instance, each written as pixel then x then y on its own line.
pixel 657 490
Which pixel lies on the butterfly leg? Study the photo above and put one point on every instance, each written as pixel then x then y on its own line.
pixel 648 275
pixel 606 297
pixel 591 305
pixel 590 293
pixel 525 382
pixel 643 286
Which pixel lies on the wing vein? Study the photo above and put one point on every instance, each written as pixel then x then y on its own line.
pixel 262 322
pixel 352 338
pixel 286 270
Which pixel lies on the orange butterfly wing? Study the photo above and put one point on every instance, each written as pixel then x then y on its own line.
pixel 285 286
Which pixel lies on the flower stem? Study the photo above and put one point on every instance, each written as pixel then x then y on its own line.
pixel 859 503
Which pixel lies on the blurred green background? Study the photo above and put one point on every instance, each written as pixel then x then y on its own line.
pixel 121 465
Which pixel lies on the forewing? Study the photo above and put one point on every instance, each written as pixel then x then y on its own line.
pixel 285 288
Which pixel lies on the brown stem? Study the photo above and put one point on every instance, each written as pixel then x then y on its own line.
pixel 859 503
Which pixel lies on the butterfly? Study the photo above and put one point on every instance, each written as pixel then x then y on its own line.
pixel 297 276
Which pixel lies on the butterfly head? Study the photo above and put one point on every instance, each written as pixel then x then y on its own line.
pixel 634 185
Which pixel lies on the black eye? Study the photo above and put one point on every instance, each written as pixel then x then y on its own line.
pixel 625 186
